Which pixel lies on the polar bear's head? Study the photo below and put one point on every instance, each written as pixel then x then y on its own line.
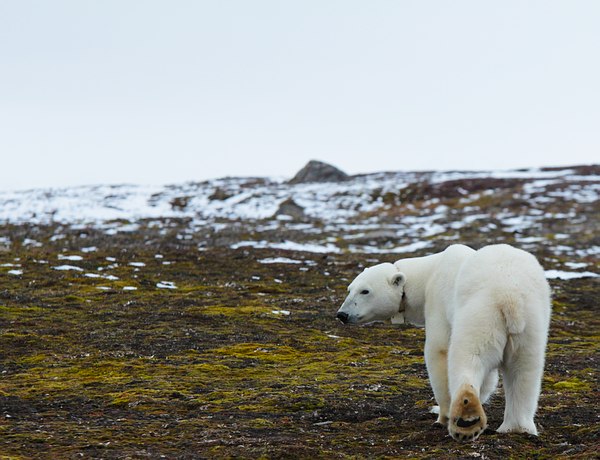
pixel 374 295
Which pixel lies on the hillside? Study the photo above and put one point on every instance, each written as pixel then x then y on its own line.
pixel 197 320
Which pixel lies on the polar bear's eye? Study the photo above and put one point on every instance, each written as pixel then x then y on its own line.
pixel 364 291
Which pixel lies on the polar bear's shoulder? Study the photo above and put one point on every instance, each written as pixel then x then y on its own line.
pixel 455 255
pixel 442 264
pixel 458 250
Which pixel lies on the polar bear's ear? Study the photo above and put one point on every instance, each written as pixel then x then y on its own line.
pixel 398 279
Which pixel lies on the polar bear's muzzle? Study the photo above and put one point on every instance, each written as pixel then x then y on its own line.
pixel 348 314
pixel 343 316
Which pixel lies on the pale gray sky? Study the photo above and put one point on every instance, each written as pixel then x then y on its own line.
pixel 155 92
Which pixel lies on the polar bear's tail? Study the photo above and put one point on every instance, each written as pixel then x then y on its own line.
pixel 513 310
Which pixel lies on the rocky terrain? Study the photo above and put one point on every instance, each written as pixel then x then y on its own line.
pixel 197 320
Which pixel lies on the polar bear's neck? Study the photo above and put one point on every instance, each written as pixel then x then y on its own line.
pixel 418 273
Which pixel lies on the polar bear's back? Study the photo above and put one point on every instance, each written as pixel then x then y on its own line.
pixel 505 266
pixel 509 279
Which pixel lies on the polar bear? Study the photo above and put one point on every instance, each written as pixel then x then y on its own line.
pixel 484 311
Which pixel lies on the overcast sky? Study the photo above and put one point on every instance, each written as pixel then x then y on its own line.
pixel 155 92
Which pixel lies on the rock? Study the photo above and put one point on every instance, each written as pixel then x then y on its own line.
pixel 220 194
pixel 180 203
pixel 317 171
pixel 290 208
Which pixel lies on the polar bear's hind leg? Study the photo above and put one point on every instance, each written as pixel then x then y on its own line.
pixel 490 383
pixel 522 376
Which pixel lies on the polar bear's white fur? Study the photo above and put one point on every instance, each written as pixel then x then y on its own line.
pixel 484 311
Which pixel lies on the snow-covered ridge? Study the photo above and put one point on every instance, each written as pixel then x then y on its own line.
pixel 256 199
pixel 549 212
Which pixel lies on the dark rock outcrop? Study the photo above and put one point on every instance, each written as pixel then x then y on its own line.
pixel 317 171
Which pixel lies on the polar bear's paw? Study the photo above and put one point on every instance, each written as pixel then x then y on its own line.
pixel 467 418
pixel 442 419
pixel 528 428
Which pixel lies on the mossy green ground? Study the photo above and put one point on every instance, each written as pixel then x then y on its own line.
pixel 217 368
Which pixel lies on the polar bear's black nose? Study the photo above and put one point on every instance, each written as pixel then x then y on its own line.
pixel 343 317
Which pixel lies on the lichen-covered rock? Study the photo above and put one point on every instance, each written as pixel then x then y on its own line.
pixel 220 195
pixel 292 209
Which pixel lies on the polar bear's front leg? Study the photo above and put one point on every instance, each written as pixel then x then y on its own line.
pixel 472 359
pixel 436 360
pixel 467 417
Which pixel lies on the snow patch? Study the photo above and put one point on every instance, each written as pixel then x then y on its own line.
pixel 68 268
pixel 70 258
pixel 559 274
pixel 279 260
pixel 166 285
pixel 289 246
